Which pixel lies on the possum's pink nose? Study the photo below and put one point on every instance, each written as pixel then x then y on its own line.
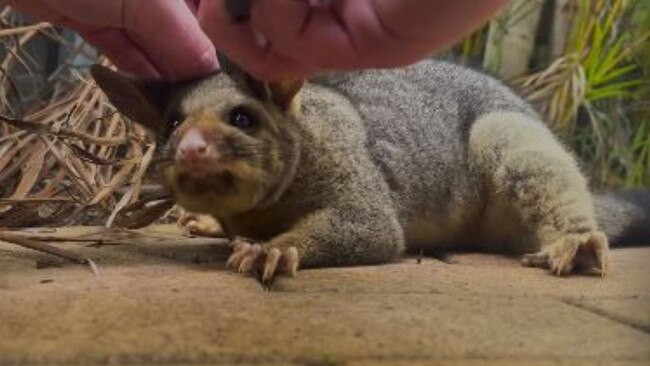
pixel 194 151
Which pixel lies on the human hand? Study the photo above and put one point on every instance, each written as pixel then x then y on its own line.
pixel 151 39
pixel 299 38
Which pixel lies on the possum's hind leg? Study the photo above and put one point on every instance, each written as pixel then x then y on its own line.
pixel 526 167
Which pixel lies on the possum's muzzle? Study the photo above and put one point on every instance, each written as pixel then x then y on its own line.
pixel 219 183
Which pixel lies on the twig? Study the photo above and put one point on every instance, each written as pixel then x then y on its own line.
pixel 25 29
pixel 131 218
pixel 43 129
pixel 89 157
pixel 34 200
pixel 46 248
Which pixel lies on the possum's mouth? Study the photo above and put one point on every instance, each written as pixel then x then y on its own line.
pixel 214 182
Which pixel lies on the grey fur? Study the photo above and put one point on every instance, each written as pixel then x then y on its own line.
pixel 624 216
pixel 429 156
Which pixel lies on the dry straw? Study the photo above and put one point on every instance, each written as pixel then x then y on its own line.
pixel 66 156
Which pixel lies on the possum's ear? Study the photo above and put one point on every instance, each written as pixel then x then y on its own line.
pixel 143 102
pixel 284 93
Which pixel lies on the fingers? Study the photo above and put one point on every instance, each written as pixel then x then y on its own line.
pixel 285 30
pixel 236 40
pixel 326 35
pixel 153 39
pixel 316 35
pixel 246 45
pixel 295 28
pixel 294 39
pixel 93 20
pixel 193 5
pixel 96 13
pixel 117 46
pixel 170 37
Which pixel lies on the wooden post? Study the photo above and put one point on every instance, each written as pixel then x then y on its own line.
pixel 511 39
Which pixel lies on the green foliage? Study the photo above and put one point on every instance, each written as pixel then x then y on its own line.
pixel 639 173
pixel 597 94
pixel 607 41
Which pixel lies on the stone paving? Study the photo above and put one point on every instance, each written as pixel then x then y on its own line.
pixel 164 299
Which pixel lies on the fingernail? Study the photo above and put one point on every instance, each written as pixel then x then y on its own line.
pixel 208 61
pixel 205 64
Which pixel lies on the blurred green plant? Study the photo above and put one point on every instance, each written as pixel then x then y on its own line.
pixel 599 77
pixel 639 173
pixel 596 95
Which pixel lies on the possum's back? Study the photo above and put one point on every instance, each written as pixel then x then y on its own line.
pixel 418 120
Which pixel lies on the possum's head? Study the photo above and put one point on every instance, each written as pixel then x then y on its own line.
pixel 229 145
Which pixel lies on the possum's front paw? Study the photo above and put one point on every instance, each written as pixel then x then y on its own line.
pixel 199 225
pixel 573 253
pixel 249 257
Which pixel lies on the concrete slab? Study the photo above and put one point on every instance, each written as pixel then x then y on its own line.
pixel 633 311
pixel 165 299
pixel 481 274
pixel 137 324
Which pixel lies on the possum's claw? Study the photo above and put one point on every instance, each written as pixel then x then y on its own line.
pixel 573 253
pixel 240 249
pixel 248 257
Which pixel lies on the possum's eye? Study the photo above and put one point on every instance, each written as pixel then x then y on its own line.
pixel 240 117
pixel 171 124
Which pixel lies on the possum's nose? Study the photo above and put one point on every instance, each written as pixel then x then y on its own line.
pixel 193 150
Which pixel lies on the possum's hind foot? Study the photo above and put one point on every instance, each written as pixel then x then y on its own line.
pixel 573 253
pixel 265 262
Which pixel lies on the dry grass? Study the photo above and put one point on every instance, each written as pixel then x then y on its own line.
pixel 66 156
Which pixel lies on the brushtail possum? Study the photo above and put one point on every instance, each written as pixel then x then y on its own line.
pixel 360 169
